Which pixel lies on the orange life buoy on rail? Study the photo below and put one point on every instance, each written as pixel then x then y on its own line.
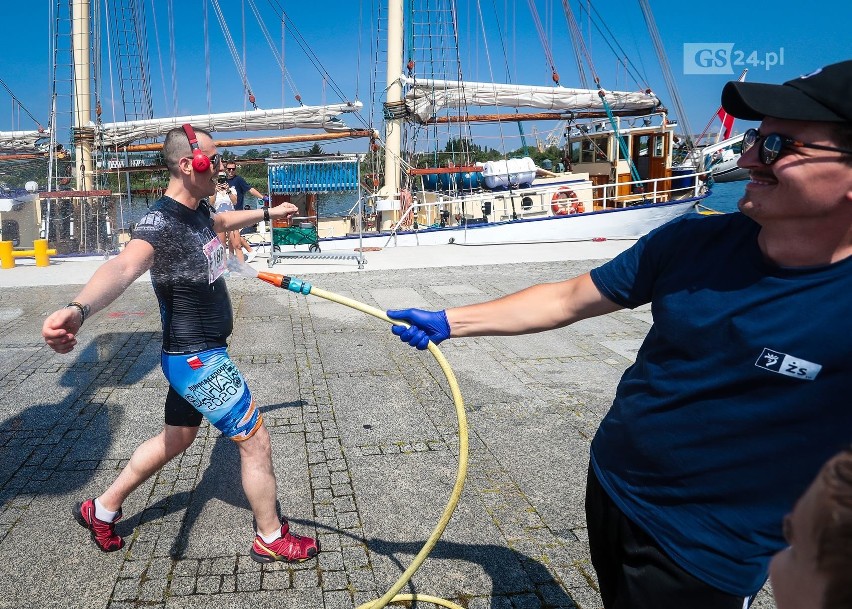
pixel 565 202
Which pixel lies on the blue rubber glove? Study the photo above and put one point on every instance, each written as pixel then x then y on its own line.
pixel 425 326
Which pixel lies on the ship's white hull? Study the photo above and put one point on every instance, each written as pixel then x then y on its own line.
pixel 626 223
pixel 729 171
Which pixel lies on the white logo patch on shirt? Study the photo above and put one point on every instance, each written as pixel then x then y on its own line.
pixel 152 221
pixel 787 365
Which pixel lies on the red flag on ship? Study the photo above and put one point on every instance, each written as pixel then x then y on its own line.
pixel 727 123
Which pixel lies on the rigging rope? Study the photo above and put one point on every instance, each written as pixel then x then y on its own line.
pixel 173 58
pixel 610 39
pixel 667 72
pixel 159 55
pixel 488 57
pixel 312 57
pixel 243 21
pixel 275 53
pixel 581 48
pixel 21 104
pixel 207 59
pixel 622 145
pixel 141 36
pixel 576 41
pixel 548 53
pixel 233 50
pixel 460 77
pixel 358 56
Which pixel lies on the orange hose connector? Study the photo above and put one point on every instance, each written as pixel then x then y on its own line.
pixel 272 278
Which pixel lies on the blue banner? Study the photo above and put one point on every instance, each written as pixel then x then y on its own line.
pixel 313 176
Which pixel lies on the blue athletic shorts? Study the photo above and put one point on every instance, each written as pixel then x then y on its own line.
pixel 211 383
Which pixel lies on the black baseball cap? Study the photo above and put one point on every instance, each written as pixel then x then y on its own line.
pixel 822 95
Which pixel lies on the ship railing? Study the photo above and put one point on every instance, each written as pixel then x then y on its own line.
pixel 460 207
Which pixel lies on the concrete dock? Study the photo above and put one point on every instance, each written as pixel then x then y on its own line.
pixel 364 433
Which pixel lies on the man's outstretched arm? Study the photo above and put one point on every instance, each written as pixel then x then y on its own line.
pixel 108 283
pixel 541 307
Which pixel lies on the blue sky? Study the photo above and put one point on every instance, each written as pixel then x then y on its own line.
pixel 338 32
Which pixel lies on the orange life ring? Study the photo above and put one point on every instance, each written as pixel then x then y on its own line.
pixel 565 202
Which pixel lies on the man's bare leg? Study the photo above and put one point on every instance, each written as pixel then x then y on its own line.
pixel 274 541
pixel 148 458
pixel 259 480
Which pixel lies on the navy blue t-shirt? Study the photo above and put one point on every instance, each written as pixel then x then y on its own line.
pixel 736 399
pixel 196 313
pixel 242 187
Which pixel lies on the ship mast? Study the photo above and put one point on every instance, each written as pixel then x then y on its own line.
pixel 393 126
pixel 84 134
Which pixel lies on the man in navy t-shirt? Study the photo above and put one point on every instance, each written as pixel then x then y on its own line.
pixel 239 183
pixel 737 396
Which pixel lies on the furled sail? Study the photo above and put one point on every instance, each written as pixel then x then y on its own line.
pixel 425 98
pixel 25 140
pixel 303 117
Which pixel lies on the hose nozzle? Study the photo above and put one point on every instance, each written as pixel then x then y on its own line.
pixel 287 283
pixel 273 279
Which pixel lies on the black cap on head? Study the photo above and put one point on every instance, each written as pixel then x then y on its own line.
pixel 823 95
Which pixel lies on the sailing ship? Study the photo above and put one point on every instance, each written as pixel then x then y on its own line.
pixel 613 176
pixel 422 181
pixel 82 209
pixel 721 156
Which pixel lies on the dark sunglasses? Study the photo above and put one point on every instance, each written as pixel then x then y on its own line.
pixel 774 143
pixel 230 168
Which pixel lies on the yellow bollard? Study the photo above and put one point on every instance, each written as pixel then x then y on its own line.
pixel 7 261
pixel 41 252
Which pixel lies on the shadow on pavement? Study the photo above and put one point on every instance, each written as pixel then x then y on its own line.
pixel 221 480
pixel 73 434
pixel 508 569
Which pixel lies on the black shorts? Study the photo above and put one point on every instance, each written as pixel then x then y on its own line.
pixel 179 412
pixel 633 571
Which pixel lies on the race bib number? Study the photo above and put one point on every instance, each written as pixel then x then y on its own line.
pixel 214 251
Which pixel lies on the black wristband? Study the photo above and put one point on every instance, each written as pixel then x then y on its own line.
pixel 84 310
pixel 266 214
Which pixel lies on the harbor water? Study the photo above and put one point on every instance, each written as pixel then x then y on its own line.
pixel 724 196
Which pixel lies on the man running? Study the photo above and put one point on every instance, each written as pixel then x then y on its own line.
pixel 177 241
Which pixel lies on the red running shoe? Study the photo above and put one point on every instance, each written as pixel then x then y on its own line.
pixel 288 547
pixel 103 533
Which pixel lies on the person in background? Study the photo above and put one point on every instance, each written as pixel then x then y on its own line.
pixel 239 183
pixel 241 187
pixel 177 242
pixel 815 570
pixel 226 197
pixel 735 399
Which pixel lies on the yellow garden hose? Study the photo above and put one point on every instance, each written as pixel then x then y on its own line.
pixel 392 596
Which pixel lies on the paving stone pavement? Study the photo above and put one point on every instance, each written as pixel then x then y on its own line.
pixel 365 446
